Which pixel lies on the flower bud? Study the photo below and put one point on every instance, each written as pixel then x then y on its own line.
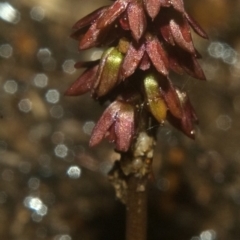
pixel 155 100
pixel 108 71
pixel 117 125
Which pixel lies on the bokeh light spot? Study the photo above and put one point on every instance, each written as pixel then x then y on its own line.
pixel 208 235
pixel 25 105
pixel 36 204
pixel 37 13
pixel 8 13
pixel 224 122
pixel 57 111
pixel 63 237
pixel 44 55
pixel 40 80
pixel 33 183
pixel 74 172
pixel 61 150
pixel 88 127
pixel 6 50
pixel 52 96
pixel 10 86
pixel 68 66
pixel 223 51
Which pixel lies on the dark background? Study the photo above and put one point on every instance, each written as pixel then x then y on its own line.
pixel 53 186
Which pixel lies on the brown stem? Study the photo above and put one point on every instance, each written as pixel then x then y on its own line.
pixel 136 207
pixel 129 177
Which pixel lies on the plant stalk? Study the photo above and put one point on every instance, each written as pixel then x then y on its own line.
pixel 136 208
pixel 129 177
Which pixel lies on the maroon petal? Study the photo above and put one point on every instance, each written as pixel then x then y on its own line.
pixel 90 38
pixel 196 27
pixel 77 35
pixel 104 123
pixel 180 59
pixel 157 55
pixel 112 13
pixel 165 3
pixel 145 62
pixel 86 64
pixel 124 127
pixel 188 119
pixel 84 83
pixel 189 116
pixel 90 18
pixel 167 34
pixel 170 96
pixel 181 35
pixel 192 67
pixel 152 7
pixel 111 134
pixel 174 64
pixel 178 5
pixel 136 19
pixel 123 20
pixel 132 59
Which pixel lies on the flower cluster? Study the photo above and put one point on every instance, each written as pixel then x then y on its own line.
pixel 144 40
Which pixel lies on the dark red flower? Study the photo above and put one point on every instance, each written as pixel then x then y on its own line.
pixel 115 124
pixel 145 40
pixel 153 51
pixel 188 116
pixel 167 102
pixel 100 78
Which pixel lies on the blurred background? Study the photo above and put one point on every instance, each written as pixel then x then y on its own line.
pixel 53 186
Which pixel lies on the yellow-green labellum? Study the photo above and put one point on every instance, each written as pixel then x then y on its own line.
pixel 108 70
pixel 155 100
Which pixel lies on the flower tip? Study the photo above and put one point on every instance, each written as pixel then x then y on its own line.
pixel 69 92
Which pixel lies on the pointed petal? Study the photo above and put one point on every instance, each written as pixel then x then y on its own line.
pixel 145 62
pixel 157 55
pixel 123 20
pixel 196 27
pixel 165 3
pixel 111 134
pixel 124 127
pixel 112 13
pixel 104 123
pixel 152 7
pixel 90 18
pixel 167 34
pixel 191 66
pixel 189 116
pixel 77 35
pixel 108 71
pixel 184 125
pixel 178 5
pixel 181 35
pixel 155 100
pixel 132 59
pixel 174 64
pixel 136 19
pixel 84 83
pixel 86 64
pixel 171 97
pixel 90 38
pixel 180 59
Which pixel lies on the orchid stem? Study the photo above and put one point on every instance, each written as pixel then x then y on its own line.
pixel 136 208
